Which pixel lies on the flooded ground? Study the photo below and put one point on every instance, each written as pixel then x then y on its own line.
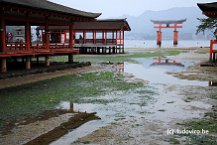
pixel 144 118
pixel 141 114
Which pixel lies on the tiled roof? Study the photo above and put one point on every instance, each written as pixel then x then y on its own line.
pixel 108 24
pixel 208 6
pixel 168 21
pixel 209 9
pixel 50 6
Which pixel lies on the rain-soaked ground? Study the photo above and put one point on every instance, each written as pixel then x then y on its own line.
pixel 151 113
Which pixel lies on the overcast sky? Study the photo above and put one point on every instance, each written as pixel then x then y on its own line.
pixel 116 8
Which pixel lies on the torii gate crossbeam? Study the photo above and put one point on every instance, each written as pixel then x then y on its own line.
pixel 175 24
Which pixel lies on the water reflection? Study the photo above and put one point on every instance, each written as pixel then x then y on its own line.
pixel 65 105
pixel 159 74
pixel 212 83
pixel 166 61
pixel 120 67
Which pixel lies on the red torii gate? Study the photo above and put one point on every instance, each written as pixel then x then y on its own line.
pixel 159 24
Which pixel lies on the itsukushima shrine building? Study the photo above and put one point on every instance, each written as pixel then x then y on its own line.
pixel 34 13
pixel 210 10
pixel 95 37
pixel 160 24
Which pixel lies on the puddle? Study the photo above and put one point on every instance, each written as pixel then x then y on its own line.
pixel 65 105
pixel 158 74
pixel 171 106
pixel 166 61
pixel 127 106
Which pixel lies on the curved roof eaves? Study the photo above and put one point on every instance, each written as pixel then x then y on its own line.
pixel 47 5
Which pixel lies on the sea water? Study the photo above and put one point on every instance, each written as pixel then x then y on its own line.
pixel 166 43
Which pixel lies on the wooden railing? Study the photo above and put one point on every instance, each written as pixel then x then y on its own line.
pixel 20 47
pixel 100 41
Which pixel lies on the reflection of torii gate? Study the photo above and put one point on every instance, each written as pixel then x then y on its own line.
pixel 167 24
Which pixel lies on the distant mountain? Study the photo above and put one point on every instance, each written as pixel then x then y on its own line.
pixel 142 27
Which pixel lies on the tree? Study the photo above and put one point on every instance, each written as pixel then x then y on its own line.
pixel 207 24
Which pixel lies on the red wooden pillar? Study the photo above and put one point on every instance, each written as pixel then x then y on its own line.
pixel 159 37
pixel 65 37
pixel 84 37
pixel 94 37
pixel 71 36
pixel 116 37
pixel 27 34
pixel 3 45
pixel 105 33
pixel 175 39
pixel 113 35
pixel 210 51
pixel 123 40
pixel 47 41
pixel 122 37
pixel 103 37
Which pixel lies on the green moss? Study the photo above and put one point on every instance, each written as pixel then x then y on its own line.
pixel 99 101
pixel 189 99
pixel 202 140
pixel 211 115
pixel 214 96
pixel 203 124
pixel 208 123
pixel 31 99
pixel 128 57
pixel 174 141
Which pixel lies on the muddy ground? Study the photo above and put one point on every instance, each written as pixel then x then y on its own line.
pixel 172 105
pixel 175 104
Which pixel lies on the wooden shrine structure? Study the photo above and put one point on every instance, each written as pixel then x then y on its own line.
pixel 210 10
pixel 95 37
pixel 160 24
pixel 30 13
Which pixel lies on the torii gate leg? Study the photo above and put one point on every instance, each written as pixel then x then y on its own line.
pixel 175 39
pixel 159 38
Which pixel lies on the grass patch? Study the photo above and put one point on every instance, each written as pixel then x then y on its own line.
pixel 211 115
pixel 205 124
pixel 213 96
pixel 174 141
pixel 99 101
pixel 188 99
pixel 208 123
pixel 32 99
pixel 202 51
pixel 202 139
pixel 128 57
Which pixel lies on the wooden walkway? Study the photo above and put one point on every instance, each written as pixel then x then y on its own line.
pixel 99 49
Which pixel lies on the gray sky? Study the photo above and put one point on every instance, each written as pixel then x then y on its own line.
pixel 116 8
